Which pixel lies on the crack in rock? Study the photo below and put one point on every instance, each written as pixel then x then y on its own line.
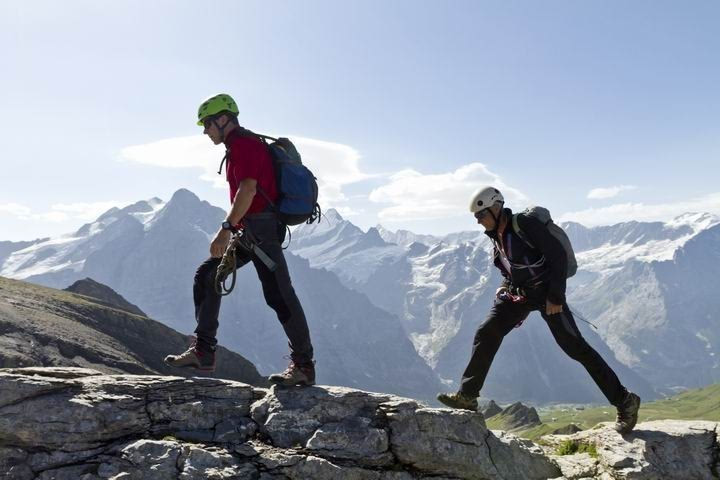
pixel 489 450
pixel 715 447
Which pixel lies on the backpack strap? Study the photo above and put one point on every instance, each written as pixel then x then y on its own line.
pixel 516 228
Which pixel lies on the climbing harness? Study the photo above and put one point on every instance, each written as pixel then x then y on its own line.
pixel 244 241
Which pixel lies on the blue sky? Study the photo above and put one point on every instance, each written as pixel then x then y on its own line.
pixel 603 111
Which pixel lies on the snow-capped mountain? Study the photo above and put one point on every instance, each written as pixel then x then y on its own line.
pixel 68 253
pixel 605 248
pixel 148 252
pixel 442 287
pixel 659 310
pixel 647 287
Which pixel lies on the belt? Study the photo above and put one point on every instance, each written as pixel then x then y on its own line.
pixel 261 216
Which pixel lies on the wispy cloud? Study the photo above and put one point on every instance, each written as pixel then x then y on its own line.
pixel 60 212
pixel 85 211
pixel 194 151
pixel 608 192
pixel 626 212
pixel 414 196
pixel 15 209
pixel 335 165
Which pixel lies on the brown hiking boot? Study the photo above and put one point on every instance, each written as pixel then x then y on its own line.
pixel 193 357
pixel 295 374
pixel 627 413
pixel 458 400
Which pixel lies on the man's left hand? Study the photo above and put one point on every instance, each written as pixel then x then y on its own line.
pixel 219 243
pixel 551 308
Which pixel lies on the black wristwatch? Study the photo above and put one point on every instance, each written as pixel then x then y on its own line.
pixel 227 226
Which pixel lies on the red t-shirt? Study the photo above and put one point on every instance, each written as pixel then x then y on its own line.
pixel 248 157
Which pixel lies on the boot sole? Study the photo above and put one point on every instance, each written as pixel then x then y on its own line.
pixel 194 367
pixel 280 383
pixel 467 409
pixel 456 407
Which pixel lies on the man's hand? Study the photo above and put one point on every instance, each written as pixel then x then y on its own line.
pixel 219 243
pixel 551 308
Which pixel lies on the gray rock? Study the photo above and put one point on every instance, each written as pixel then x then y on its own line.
pixel 353 438
pixel 13 464
pixel 577 467
pixel 64 425
pixel 449 442
pixel 653 451
pixel 291 417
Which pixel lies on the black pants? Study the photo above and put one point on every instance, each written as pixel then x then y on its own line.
pixel 277 289
pixel 503 317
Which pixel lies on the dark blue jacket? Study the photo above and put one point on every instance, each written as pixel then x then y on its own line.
pixel 541 268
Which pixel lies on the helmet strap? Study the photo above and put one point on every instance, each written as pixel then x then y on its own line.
pixel 497 218
pixel 219 128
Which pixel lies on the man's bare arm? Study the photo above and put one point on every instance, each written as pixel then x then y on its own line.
pixel 241 203
pixel 243 198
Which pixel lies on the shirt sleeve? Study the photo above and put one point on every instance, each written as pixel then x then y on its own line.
pixel 247 162
pixel 555 257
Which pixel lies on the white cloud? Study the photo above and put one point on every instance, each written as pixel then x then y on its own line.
pixel 84 211
pixel 195 151
pixel 61 212
pixel 334 164
pixel 347 212
pixel 15 209
pixel 642 212
pixel 608 192
pixel 54 217
pixel 417 196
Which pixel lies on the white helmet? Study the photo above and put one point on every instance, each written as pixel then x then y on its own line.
pixel 484 198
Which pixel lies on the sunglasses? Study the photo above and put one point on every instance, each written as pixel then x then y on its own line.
pixel 482 213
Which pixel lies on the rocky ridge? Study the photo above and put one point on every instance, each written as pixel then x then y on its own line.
pixel 69 423
pixel 42 327
pixel 104 294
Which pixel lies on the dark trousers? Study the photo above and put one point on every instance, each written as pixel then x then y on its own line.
pixel 277 289
pixel 503 317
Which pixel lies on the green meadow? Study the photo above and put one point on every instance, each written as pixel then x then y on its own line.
pixel 698 404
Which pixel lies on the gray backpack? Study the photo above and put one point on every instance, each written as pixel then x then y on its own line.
pixel 543 215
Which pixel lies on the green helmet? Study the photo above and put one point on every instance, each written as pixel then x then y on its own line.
pixel 221 102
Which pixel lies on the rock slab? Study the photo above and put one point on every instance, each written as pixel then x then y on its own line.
pixel 68 423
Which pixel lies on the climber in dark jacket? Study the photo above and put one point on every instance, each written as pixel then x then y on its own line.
pixel 535 273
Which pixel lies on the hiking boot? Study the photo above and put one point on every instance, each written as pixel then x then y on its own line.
pixel 458 400
pixel 193 357
pixel 627 413
pixel 295 374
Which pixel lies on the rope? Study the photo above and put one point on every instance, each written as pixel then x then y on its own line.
pixel 245 240
pixel 574 312
pixel 227 267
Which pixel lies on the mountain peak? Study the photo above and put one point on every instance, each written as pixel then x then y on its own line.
pixel 183 196
pixel 333 216
pixel 104 294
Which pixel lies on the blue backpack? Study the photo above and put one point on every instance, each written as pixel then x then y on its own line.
pixel 297 186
